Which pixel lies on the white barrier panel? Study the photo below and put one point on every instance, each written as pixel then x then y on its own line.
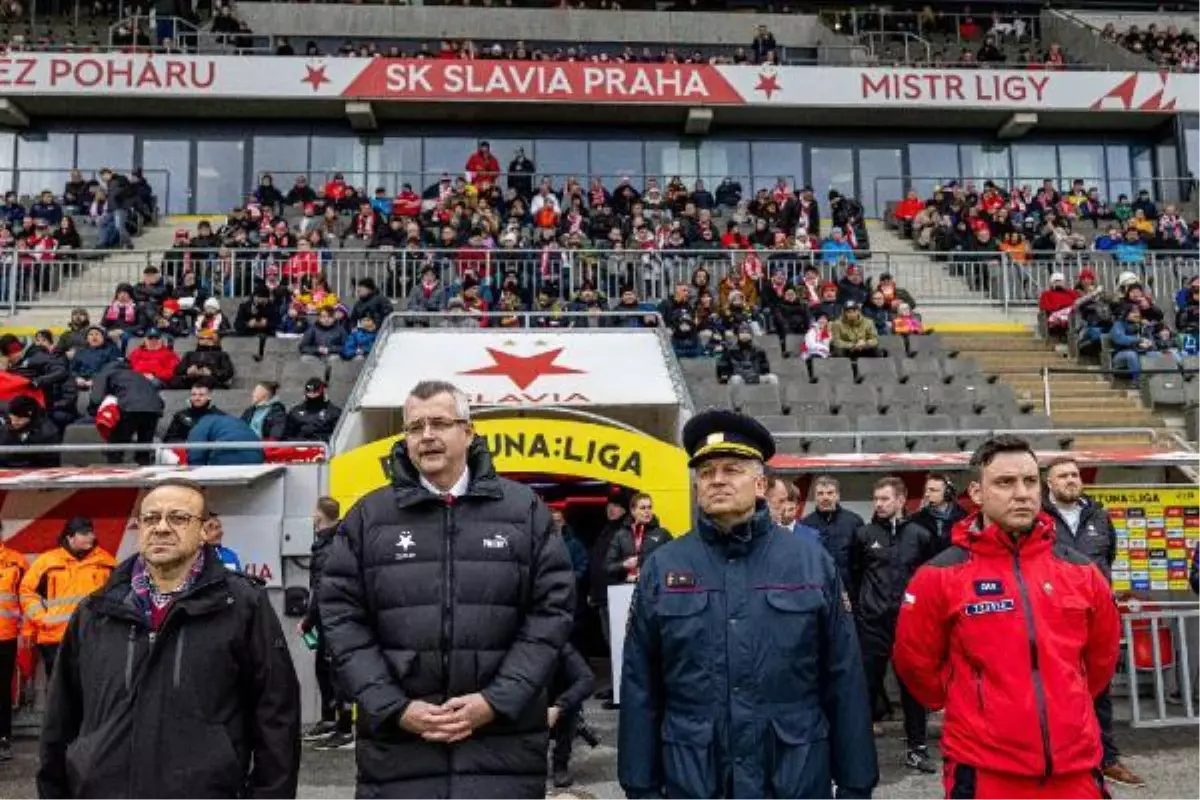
pixel 620 597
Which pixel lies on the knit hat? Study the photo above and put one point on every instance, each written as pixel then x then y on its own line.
pixel 1087 275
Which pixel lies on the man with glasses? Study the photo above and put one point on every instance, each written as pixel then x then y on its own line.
pixel 175 679
pixel 742 675
pixel 445 600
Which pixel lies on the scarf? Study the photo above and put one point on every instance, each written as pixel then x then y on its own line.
pixel 151 601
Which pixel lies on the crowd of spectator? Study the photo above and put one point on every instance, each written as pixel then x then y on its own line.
pixel 979 226
pixel 1173 48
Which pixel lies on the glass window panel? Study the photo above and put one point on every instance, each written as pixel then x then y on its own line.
pixel 97 150
pixel 1191 148
pixel 832 168
pixel 1034 163
pixel 720 160
pixel 1083 162
pixel 172 158
pixel 771 161
pixel 446 154
pixel 284 157
pixel 560 157
pixel 1120 172
pixel 879 178
pixel 333 154
pixel 931 165
pixel 1143 169
pixel 44 162
pixel 8 146
pixel 505 150
pixel 665 160
pixel 612 160
pixel 393 162
pixel 220 175
pixel 1166 189
pixel 983 163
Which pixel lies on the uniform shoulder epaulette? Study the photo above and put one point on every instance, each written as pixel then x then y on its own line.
pixel 950 557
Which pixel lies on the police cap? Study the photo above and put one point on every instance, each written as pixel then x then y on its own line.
pixel 726 434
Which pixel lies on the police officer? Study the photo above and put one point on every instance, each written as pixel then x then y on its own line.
pixel 742 675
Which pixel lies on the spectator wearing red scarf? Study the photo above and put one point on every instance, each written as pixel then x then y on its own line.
pixel 1056 303
pixel 336 188
pixel 482 167
pixel 304 262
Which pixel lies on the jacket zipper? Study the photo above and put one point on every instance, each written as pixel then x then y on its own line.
pixel 1039 690
pixel 978 686
pixel 448 618
pixel 130 649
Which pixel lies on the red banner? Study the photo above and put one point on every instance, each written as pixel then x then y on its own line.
pixel 543 81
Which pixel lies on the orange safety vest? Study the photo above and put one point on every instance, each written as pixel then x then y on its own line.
pixel 12 567
pixel 68 580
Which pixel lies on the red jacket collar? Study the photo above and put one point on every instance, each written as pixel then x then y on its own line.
pixel 992 541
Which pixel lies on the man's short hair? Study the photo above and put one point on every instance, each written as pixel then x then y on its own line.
pixel 793 491
pixel 425 390
pixel 826 479
pixel 1004 443
pixel 329 508
pixel 893 483
pixel 1058 461
pixel 185 483
pixel 939 476
pixel 639 497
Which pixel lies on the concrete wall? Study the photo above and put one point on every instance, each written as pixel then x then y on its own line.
pixel 506 24
pixel 1083 44
pixel 1098 19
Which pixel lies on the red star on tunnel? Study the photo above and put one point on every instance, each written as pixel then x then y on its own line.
pixel 523 370
pixel 768 84
pixel 315 76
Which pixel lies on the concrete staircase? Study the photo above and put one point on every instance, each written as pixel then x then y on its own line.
pixel 1077 400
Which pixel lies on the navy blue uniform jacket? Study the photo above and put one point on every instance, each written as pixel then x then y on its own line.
pixel 742 674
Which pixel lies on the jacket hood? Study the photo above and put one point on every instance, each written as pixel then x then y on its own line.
pixel 406 478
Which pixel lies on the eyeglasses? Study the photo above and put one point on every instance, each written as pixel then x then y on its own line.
pixel 435 424
pixel 175 519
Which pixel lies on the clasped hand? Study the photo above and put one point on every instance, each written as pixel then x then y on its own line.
pixel 452 721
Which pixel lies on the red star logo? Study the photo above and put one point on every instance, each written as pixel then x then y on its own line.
pixel 768 84
pixel 315 77
pixel 523 370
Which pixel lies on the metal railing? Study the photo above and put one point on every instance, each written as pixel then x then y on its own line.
pixel 1170 644
pixel 71 278
pixel 159 447
pixel 862 439
pixel 1162 190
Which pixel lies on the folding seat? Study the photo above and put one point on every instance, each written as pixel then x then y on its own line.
pixel 933 434
pixel 807 398
pixel 832 370
pixel 892 425
pixel 816 425
pixel 878 372
pixel 756 398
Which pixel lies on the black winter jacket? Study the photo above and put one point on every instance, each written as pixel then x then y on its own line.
pixel 1095 538
pixel 624 545
pixel 207 706
pixel 374 305
pixel 216 359
pixel 837 534
pixel 311 422
pixel 424 600
pixel 275 425
pixel 185 419
pixel 39 433
pixel 573 680
pixel 135 394
pixel 749 362
pixel 48 370
pixel 598 561
pixel 322 543
pixel 939 525
pixel 248 311
pixel 884 556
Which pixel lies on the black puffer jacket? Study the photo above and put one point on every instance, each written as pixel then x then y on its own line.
pixel 1095 538
pixel 274 426
pixel 883 558
pixel 421 600
pixel 940 523
pixel 322 543
pixel 210 707
pixel 311 421
pixel 48 370
pixel 218 362
pixel 625 544
pixel 598 561
pixel 135 394
pixel 183 420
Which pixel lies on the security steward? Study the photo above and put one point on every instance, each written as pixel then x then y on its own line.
pixel 742 675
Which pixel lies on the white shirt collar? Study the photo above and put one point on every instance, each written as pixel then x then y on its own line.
pixel 457 490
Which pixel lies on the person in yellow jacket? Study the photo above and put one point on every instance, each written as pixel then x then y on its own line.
pixel 12 567
pixel 58 580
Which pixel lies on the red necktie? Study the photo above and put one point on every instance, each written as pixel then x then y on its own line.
pixel 448 499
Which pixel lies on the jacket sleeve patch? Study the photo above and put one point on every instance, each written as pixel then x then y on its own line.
pixel 989 587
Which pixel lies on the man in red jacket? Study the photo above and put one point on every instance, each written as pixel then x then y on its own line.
pixel 482 166
pixel 154 359
pixel 1014 636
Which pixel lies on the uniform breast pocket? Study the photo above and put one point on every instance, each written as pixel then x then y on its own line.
pixel 683 621
pixel 792 618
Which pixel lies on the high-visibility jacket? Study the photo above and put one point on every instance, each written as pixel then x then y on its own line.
pixel 12 567
pixel 55 585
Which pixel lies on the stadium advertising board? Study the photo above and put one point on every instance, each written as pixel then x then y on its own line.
pixel 1157 528
pixel 414 80
pixel 558 447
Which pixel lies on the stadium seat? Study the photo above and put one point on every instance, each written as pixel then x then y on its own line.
pixel 877 372
pixel 82 433
pixel 981 422
pixel 926 370
pixel 815 425
pixel 1041 441
pixel 833 370
pixel 930 434
pixel 710 395
pixel 905 395
pixel 756 398
pixel 807 398
pixel 930 343
pixel 1165 390
pixel 777 423
pixel 853 400
pixel 875 443
pixel 893 345
pixel 957 370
